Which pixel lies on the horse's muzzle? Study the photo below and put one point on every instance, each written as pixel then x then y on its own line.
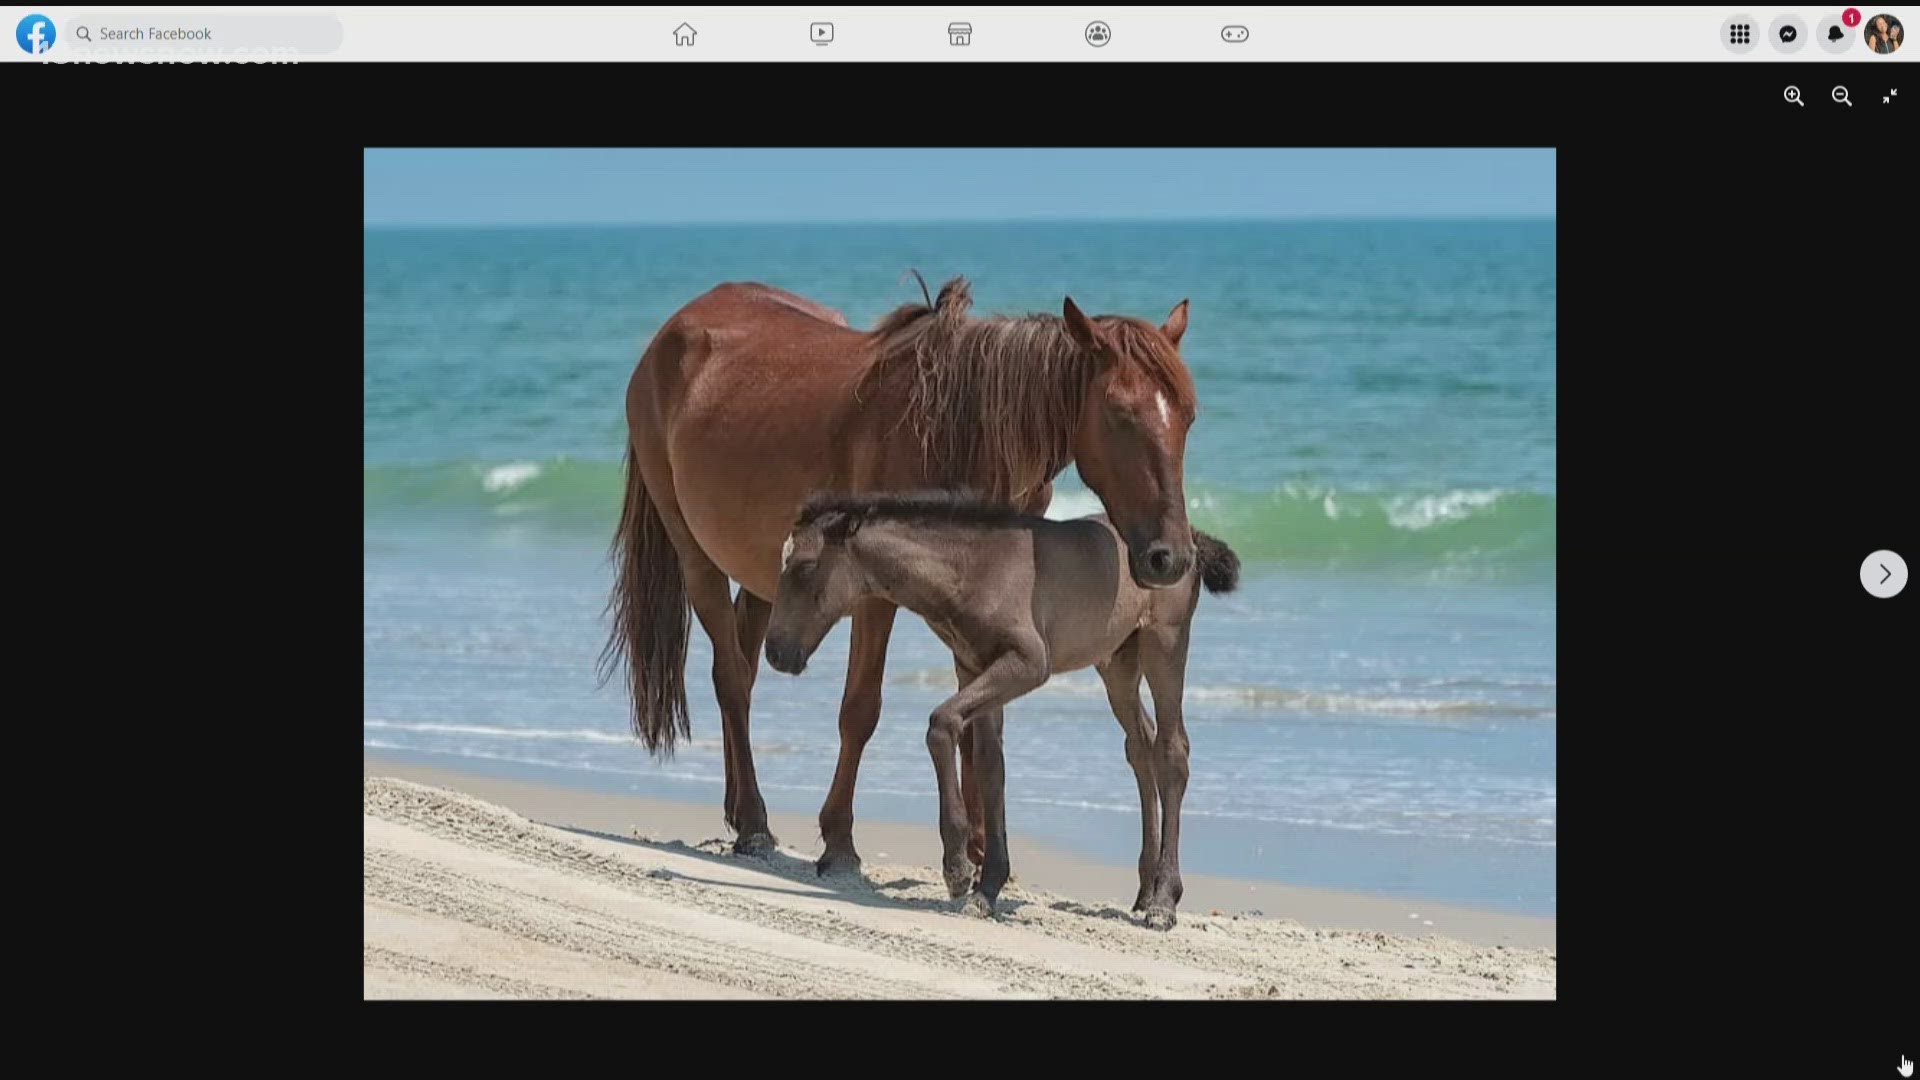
pixel 1160 565
pixel 786 659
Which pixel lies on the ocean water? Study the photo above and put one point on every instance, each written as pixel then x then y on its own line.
pixel 1374 710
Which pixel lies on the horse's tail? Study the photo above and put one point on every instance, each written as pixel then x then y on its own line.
pixel 650 619
pixel 1219 566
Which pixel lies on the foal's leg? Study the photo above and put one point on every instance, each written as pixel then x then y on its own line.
pixel 859 713
pixel 987 731
pixel 1163 654
pixel 969 783
pixel 1035 504
pixel 1121 673
pixel 1012 673
pixel 733 686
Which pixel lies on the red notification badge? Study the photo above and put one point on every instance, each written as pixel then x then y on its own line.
pixel 1851 16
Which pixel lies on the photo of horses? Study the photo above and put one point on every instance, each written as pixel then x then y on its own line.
pixel 969 573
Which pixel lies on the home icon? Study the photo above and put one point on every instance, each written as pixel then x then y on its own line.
pixel 959 33
pixel 683 34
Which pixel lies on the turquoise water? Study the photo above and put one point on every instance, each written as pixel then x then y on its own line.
pixel 1374 710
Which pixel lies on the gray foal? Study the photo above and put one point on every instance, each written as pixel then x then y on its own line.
pixel 1018 599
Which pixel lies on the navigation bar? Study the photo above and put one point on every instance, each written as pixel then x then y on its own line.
pixel 960 34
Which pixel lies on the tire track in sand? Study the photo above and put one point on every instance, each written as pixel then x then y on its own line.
pixel 1270 953
pixel 373 956
pixel 415 883
pixel 474 823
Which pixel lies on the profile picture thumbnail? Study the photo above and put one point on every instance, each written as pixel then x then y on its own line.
pixel 1884 34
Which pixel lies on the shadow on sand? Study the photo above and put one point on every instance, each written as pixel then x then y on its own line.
pixel 858 889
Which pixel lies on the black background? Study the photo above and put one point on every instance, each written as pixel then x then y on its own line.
pixel 1736 329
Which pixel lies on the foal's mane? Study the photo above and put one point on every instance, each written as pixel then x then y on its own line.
pixel 945 506
pixel 995 401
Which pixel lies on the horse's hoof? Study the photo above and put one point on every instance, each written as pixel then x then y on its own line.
pixel 834 864
pixel 755 844
pixel 959 882
pixel 978 906
pixel 1160 918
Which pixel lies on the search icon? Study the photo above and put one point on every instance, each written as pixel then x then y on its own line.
pixel 83 33
pixel 1793 95
pixel 1840 95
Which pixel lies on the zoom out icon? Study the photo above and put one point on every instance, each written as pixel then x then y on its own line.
pixel 35 34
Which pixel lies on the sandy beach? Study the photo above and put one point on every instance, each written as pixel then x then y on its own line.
pixel 479 887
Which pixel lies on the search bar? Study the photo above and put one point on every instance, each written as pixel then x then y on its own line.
pixel 106 37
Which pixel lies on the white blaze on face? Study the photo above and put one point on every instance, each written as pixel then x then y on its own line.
pixel 1162 399
pixel 786 551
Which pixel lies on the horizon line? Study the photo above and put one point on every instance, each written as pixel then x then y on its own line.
pixel 843 222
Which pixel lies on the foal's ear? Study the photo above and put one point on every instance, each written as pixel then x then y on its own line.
pixel 1084 332
pixel 1176 323
pixel 839 524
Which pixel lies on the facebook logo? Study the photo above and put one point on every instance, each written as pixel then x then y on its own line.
pixel 35 34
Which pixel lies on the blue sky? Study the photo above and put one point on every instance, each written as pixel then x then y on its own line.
pixel 527 187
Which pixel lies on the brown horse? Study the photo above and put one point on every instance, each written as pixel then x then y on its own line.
pixel 751 398
pixel 1018 599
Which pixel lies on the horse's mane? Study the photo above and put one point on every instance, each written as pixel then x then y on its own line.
pixel 995 401
pixel 961 507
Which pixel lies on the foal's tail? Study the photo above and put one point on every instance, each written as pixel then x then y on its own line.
pixel 1219 566
pixel 650 619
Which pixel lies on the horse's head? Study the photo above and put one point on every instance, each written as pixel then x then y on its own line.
pixel 1133 436
pixel 819 583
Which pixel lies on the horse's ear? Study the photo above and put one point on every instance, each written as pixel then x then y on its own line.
pixel 1176 324
pixel 1084 332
